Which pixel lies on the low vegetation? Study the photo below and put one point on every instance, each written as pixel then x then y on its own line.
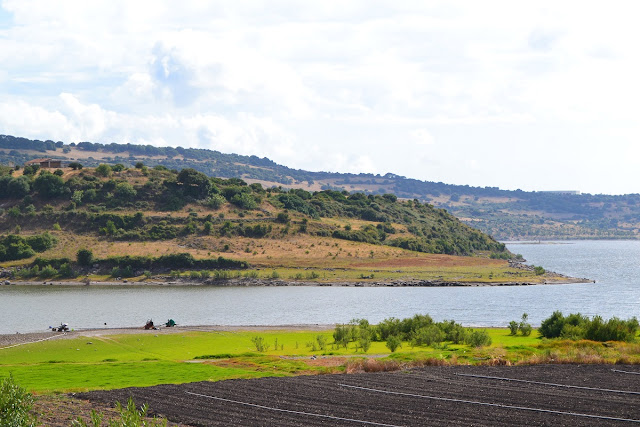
pixel 15 405
pixel 577 327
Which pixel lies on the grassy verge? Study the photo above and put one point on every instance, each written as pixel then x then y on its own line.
pixel 108 362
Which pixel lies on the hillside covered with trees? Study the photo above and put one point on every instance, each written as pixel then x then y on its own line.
pixel 501 213
pixel 129 221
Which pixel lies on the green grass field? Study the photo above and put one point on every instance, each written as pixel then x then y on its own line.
pixel 157 357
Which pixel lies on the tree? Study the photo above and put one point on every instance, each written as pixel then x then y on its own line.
pixel 84 257
pixel 75 165
pixel 30 170
pixel 194 183
pixel 393 342
pixel 49 185
pixel 19 187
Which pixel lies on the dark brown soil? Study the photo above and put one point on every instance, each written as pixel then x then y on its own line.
pixel 418 397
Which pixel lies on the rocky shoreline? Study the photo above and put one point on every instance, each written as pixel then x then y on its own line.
pixel 240 282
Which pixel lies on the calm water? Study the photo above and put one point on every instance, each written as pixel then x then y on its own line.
pixel 613 264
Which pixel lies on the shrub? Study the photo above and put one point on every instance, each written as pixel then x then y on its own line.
pixel 216 201
pixel 118 167
pixel 14 247
pixel 322 342
pixel 15 405
pixel 429 335
pixel 478 338
pixel 207 227
pixel 125 191
pixel 260 344
pixel 104 170
pixel 84 257
pixel 48 272
pixel 454 332
pixel 283 218
pixel 613 329
pixel 244 201
pixel 525 327
pixel 513 327
pixel 129 416
pixel 538 270
pixel 41 242
pixel 66 271
pixel 14 212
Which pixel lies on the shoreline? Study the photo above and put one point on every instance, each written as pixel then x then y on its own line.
pixel 243 282
pixel 16 339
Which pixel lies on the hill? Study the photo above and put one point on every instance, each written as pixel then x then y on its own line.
pixel 504 214
pixel 144 222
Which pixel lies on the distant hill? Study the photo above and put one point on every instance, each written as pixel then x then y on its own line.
pixel 112 222
pixel 504 214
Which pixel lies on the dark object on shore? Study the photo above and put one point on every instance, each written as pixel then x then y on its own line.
pixel 64 327
pixel 170 323
pixel 149 325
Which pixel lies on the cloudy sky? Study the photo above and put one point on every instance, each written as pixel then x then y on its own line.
pixel 532 95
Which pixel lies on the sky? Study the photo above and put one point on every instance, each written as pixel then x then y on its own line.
pixel 537 95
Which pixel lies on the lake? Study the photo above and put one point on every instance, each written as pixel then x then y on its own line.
pixel 613 264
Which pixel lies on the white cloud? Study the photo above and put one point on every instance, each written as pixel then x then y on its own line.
pixel 422 137
pixel 367 83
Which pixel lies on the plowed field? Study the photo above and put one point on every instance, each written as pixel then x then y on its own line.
pixel 587 395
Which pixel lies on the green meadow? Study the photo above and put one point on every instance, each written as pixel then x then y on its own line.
pixel 160 357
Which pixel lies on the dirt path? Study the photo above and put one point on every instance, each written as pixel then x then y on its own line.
pixel 588 395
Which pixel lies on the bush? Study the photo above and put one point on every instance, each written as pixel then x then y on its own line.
pixel 478 338
pixel 613 329
pixel 48 272
pixel 429 335
pixel 216 201
pixel 513 327
pixel 66 271
pixel 125 191
pixel 244 201
pixel 525 327
pixel 84 257
pixel 283 218
pixel 538 270
pixel 129 416
pixel 104 170
pixel 41 242
pixel 15 405
pixel 14 247
pixel 260 344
